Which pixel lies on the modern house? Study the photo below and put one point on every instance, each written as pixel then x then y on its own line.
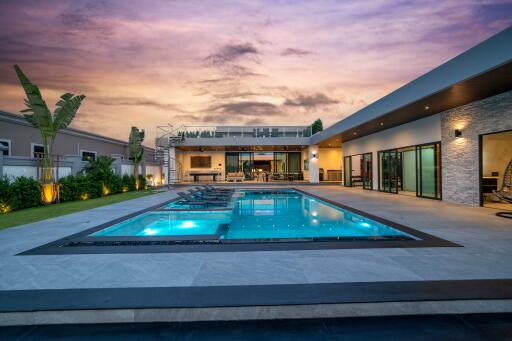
pixel 22 150
pixel 445 135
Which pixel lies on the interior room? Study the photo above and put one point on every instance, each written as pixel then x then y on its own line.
pixel 496 153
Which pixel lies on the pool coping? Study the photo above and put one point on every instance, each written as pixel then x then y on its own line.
pixel 253 295
pixel 78 243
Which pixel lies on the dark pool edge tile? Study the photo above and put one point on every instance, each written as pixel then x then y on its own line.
pixel 252 295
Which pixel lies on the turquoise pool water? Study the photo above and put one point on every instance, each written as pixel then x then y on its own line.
pixel 258 215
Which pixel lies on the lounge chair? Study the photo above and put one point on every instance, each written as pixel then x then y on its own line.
pixel 208 196
pixel 216 189
pixel 199 201
pixel 208 193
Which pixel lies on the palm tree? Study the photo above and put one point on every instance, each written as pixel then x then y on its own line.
pixel 100 170
pixel 48 124
pixel 136 151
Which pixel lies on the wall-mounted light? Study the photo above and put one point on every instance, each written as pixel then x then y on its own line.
pixel 314 155
pixel 458 133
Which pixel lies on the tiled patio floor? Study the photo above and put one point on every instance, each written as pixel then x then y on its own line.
pixel 486 254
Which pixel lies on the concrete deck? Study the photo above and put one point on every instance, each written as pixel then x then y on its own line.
pixel 486 254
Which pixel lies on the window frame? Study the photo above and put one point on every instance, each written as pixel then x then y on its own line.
pixel 9 145
pixel 32 145
pixel 88 151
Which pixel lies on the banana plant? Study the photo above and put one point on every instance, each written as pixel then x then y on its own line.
pixel 136 150
pixel 48 124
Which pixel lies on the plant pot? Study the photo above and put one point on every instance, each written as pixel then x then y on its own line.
pixel 49 193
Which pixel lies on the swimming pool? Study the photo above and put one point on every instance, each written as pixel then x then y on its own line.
pixel 258 215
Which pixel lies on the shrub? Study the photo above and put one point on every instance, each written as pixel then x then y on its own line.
pixel 23 192
pixel 142 182
pixel 128 183
pixel 115 184
pixel 77 187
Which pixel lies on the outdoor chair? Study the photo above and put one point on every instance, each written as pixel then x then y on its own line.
pixel 210 197
pixel 210 194
pixel 200 201
pixel 216 189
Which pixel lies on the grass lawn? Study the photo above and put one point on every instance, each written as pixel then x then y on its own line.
pixel 30 215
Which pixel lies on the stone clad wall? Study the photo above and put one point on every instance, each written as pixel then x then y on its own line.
pixel 460 156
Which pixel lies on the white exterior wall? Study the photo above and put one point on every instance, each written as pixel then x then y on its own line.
pixel 425 130
pixel 128 170
pixel 30 171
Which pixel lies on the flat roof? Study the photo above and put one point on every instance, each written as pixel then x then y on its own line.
pixel 482 71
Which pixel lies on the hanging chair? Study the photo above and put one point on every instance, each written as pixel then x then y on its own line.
pixel 505 192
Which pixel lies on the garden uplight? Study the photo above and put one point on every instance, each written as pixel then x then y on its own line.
pixel 84 196
pixel 4 207
pixel 106 190
pixel 48 193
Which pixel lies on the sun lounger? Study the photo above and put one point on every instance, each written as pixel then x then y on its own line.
pixel 208 196
pixel 199 201
pixel 213 192
pixel 217 189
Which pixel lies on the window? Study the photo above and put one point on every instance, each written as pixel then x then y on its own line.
pixel 88 156
pixel 6 143
pixel 37 150
pixel 200 162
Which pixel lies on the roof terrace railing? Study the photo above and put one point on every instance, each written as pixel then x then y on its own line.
pixel 244 131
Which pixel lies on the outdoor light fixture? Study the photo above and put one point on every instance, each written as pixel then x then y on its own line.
pixel 427 107
pixel 458 133
pixel 314 155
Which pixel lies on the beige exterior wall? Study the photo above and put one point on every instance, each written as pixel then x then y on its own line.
pixel 218 159
pixel 304 156
pixel 330 158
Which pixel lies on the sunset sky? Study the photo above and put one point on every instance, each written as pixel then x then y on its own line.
pixel 149 63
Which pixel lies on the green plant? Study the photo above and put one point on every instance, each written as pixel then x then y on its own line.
pixel 115 184
pixel 136 149
pixel 23 192
pixel 128 183
pixel 142 182
pixel 78 187
pixel 317 126
pixel 100 169
pixel 47 123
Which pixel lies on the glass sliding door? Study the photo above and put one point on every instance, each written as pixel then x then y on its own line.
pixel 294 165
pixel 408 171
pixel 347 171
pixel 280 166
pixel 231 163
pixel 429 170
pixel 388 171
pixel 367 171
pixel 245 164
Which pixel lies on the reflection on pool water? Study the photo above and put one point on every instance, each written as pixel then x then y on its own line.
pixel 258 215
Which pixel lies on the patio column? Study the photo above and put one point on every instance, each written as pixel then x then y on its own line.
pixel 313 154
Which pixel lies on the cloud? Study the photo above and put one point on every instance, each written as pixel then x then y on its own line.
pixel 117 101
pixel 310 101
pixel 294 52
pixel 255 121
pixel 248 108
pixel 231 53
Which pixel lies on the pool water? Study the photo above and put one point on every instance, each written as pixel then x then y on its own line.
pixel 259 215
